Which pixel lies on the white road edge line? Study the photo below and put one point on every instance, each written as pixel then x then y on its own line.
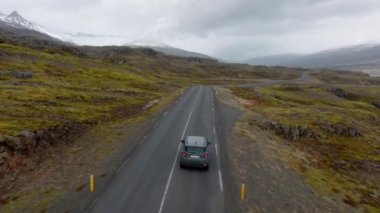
pixel 175 161
pixel 92 204
pixel 122 166
pixel 142 141
pixel 220 181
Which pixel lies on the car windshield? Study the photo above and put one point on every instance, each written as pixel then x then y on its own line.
pixel 195 150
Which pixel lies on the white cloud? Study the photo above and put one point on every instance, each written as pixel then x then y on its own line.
pixel 232 29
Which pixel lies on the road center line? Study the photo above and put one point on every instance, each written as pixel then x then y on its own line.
pixel 175 159
pixel 220 181
pixel 217 148
pixel 216 151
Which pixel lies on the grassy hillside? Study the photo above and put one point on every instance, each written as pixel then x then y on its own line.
pixel 64 87
pixel 89 96
pixel 338 137
pixel 102 83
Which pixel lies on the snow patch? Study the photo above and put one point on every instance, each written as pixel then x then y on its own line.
pixel 17 21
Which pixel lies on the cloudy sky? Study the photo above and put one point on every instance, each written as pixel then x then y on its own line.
pixel 228 29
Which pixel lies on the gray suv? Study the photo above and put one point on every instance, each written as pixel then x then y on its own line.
pixel 194 152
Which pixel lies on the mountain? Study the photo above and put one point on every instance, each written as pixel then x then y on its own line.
pixel 14 29
pixel 16 21
pixel 273 60
pixel 2 16
pixel 166 49
pixel 365 57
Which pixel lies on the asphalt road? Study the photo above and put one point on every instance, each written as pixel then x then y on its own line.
pixel 150 180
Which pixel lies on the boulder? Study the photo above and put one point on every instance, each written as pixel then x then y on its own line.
pixel 28 140
pixel 339 92
pixel 376 104
pixel 3 157
pixel 17 74
pixel 2 139
pixel 14 143
pixel 339 129
pixel 22 74
pixel 295 133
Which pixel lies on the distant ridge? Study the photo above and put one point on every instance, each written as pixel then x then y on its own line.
pixel 365 57
pixel 166 49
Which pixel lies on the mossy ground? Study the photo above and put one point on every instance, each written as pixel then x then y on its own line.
pixel 108 80
pixel 68 88
pixel 332 164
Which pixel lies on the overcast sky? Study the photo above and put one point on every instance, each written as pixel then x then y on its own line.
pixel 228 29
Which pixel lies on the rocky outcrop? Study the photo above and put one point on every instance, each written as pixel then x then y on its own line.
pixel 17 74
pixel 27 143
pixel 339 92
pixel 290 132
pixel 4 155
pixel 342 130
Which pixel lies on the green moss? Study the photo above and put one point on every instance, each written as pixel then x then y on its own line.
pixel 314 106
pixel 66 87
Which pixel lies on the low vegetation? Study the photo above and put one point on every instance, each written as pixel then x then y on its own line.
pixel 337 134
pixel 51 94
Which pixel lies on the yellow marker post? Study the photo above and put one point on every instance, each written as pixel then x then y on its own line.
pixel 242 191
pixel 91 183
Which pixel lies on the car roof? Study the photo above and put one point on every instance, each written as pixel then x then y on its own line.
pixel 198 141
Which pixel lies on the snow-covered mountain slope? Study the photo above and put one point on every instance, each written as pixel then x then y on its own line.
pixel 17 21
pixel 2 16
pixel 166 49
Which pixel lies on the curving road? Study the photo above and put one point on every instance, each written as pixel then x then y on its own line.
pixel 150 180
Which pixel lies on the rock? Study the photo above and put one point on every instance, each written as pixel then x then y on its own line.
pixel 26 134
pixel 295 133
pixel 2 139
pixel 17 74
pixel 28 140
pixel 376 104
pixel 339 92
pixel 339 129
pixel 14 143
pixel 150 104
pixel 22 74
pixel 3 157
pixel 39 133
pixel 354 132
pixel 44 144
